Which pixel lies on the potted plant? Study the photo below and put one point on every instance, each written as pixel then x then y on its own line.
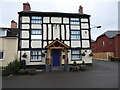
pixel 24 55
pixel 91 54
pixel 83 66
pixel 74 66
pixel 83 54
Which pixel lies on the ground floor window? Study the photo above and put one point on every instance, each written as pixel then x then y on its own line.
pixel 1 55
pixel 75 55
pixel 36 56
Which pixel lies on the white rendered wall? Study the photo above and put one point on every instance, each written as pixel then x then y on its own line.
pixel 84 25
pixel 85 34
pixel 36 36
pixel 46 20
pixel 75 27
pixel 25 26
pixel 56 32
pixel 56 20
pixel 75 44
pixel 65 20
pixel 36 26
pixel 84 20
pixel 25 34
pixel 25 19
pixel 67 32
pixel 36 44
pixel 44 31
pixel 63 32
pixel 49 31
pixel 25 44
pixel 85 44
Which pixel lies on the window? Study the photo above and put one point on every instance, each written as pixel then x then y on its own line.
pixel 2 33
pixel 75 55
pixel 1 55
pixel 36 19
pixel 36 56
pixel 36 32
pixel 74 21
pixel 75 35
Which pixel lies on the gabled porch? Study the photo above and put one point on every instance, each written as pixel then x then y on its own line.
pixel 54 56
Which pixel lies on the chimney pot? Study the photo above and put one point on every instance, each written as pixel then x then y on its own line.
pixel 80 10
pixel 26 7
pixel 13 24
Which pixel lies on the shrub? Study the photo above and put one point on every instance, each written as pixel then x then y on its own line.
pixel 115 59
pixel 12 68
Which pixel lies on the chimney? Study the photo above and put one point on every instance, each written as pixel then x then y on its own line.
pixel 26 7
pixel 13 24
pixel 80 10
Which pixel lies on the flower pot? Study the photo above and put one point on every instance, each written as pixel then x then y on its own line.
pixel 24 55
pixel 91 54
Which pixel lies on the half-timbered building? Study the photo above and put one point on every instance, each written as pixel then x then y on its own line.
pixel 53 38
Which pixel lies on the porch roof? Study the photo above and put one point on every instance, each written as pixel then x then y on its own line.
pixel 54 44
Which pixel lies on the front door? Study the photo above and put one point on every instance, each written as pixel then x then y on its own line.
pixel 56 57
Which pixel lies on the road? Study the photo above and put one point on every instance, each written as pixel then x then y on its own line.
pixel 102 74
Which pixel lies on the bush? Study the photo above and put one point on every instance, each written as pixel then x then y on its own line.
pixel 115 59
pixel 12 68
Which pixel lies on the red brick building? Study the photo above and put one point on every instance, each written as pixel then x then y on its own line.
pixel 107 42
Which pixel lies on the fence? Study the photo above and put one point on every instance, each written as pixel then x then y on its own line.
pixel 105 55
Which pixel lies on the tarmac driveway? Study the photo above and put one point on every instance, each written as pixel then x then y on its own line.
pixel 102 74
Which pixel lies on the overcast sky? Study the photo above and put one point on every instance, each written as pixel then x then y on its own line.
pixel 103 12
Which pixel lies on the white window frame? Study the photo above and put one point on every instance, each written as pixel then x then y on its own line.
pixel 76 54
pixel 36 54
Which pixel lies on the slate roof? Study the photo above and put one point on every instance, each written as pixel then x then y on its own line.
pixel 53 13
pixel 111 34
pixel 11 32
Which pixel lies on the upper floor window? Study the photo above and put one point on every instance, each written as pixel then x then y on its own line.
pixel 75 35
pixel 1 55
pixel 36 32
pixel 74 21
pixel 36 19
pixel 2 33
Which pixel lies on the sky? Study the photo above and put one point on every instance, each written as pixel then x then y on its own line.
pixel 103 12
